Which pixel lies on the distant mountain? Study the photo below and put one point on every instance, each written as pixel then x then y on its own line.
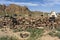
pixel 19 10
pixel 14 9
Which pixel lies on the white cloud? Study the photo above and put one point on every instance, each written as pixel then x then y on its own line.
pixel 19 3
pixel 26 4
pixel 51 3
pixel 47 3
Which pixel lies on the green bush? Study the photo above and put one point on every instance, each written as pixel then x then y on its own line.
pixel 35 33
pixel 17 30
pixel 7 38
pixel 57 34
pixel 58 29
pixel 54 34
pixel 51 33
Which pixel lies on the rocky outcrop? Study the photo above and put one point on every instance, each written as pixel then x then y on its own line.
pixel 14 9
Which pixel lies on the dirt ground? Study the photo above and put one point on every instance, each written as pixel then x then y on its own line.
pixel 10 33
pixel 48 37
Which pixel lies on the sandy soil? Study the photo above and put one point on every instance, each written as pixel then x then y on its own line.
pixel 10 33
pixel 47 37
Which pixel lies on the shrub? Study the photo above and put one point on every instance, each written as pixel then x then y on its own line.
pixel 35 33
pixel 7 38
pixel 58 29
pixel 57 34
pixel 51 33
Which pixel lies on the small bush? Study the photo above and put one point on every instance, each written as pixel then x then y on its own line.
pixel 54 34
pixel 57 34
pixel 35 33
pixel 7 38
pixel 58 29
pixel 17 30
pixel 51 34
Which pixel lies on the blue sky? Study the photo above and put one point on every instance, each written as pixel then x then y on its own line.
pixel 36 5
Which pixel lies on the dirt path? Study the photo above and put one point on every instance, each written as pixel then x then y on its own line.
pixel 47 37
pixel 4 33
pixel 10 33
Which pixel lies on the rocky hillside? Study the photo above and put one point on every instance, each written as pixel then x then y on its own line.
pixel 16 9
